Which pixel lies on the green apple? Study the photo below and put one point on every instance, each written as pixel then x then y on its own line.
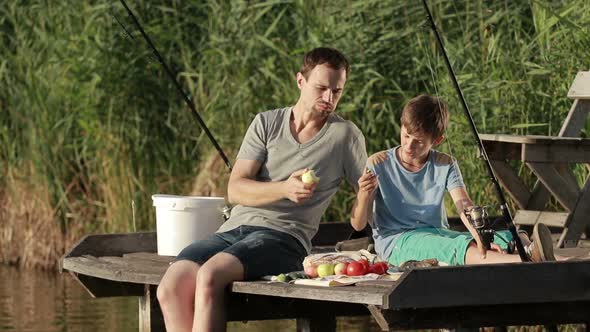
pixel 325 270
pixel 309 177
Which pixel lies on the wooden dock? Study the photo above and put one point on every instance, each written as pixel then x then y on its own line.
pixel 439 297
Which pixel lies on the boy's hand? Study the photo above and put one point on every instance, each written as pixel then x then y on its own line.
pixel 480 247
pixel 297 191
pixel 484 252
pixel 367 184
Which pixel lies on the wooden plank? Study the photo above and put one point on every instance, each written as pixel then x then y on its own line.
pixel 530 217
pixel 580 88
pixel 471 285
pixel 539 197
pixel 98 287
pixel 576 119
pixel 505 138
pixel 377 314
pixel 377 283
pixel 322 249
pixel 502 150
pixel 578 221
pixel 145 242
pixel 534 139
pixel 114 244
pixel 331 232
pixel 567 175
pixel 556 153
pixel 363 295
pixel 150 314
pixel 105 270
pixel 511 182
pixel 149 256
pixel 573 252
pixel 552 180
pixel 570 312
pixel 243 307
pixel 135 266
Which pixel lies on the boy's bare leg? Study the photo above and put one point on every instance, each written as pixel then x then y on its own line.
pixel 473 256
pixel 494 257
pixel 212 280
pixel 176 295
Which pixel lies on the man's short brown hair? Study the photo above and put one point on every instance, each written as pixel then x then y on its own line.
pixel 323 55
pixel 426 114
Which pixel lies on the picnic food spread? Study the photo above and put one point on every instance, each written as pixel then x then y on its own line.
pixel 346 268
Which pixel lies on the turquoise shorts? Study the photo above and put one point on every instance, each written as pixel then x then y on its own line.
pixel 443 244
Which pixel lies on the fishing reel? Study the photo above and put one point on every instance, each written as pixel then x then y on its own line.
pixel 478 218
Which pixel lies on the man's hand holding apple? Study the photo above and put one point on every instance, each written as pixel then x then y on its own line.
pixel 296 190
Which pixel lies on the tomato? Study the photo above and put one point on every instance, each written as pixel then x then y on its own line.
pixel 377 268
pixel 365 263
pixel 384 264
pixel 356 269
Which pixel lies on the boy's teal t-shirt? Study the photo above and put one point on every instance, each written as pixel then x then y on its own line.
pixel 409 200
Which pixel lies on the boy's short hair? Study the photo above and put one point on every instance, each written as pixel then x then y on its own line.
pixel 323 55
pixel 427 114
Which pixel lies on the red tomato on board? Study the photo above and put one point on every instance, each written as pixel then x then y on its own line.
pixel 377 268
pixel 355 269
pixel 365 263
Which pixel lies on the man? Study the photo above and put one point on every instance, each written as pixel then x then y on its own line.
pixel 275 214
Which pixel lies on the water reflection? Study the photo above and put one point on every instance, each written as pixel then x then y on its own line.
pixel 38 301
pixel 32 300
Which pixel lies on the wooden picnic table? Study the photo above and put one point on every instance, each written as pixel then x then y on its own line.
pixel 548 158
pixel 454 296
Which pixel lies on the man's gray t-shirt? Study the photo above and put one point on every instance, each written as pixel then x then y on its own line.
pixel 337 151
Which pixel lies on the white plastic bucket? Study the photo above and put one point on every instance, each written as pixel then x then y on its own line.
pixel 181 220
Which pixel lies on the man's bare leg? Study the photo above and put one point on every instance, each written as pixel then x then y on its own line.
pixel 176 295
pixel 212 279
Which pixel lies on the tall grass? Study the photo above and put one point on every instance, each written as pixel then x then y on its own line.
pixel 89 122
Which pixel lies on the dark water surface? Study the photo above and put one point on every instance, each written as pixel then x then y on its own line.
pixel 32 300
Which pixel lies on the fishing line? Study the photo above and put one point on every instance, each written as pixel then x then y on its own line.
pixel 425 49
pixel 172 77
pixel 483 154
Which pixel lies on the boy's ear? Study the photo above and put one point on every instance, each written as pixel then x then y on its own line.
pixel 438 140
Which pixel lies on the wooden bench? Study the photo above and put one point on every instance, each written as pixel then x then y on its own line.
pixel 457 296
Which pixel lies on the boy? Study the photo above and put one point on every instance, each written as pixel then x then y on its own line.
pixel 402 193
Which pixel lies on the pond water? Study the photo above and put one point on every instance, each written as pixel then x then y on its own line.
pixel 33 300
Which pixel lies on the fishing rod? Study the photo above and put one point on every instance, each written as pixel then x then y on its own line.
pixel 483 154
pixel 188 101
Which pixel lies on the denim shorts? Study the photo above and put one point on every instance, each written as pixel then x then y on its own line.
pixel 262 251
pixel 445 245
